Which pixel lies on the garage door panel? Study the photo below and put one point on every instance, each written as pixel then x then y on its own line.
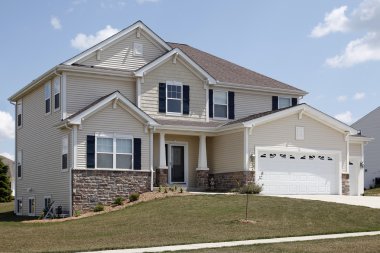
pixel 298 173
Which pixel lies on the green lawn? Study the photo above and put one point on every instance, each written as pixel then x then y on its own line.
pixel 369 244
pixel 187 219
pixel 372 192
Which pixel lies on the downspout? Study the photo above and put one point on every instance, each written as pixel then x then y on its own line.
pixel 347 153
pixel 151 157
pixel 73 139
pixel 16 158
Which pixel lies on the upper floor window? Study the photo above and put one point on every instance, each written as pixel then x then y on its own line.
pixel 57 92
pixel 19 113
pixel 65 150
pixel 220 104
pixel 284 102
pixel 114 152
pixel 48 97
pixel 19 164
pixel 174 97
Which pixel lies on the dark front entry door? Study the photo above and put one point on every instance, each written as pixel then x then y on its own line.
pixel 178 164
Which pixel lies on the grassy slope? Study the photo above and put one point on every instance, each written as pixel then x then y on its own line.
pixel 372 192
pixel 190 219
pixel 369 244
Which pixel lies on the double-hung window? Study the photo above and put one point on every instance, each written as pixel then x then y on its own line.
pixel 57 92
pixel 48 97
pixel 19 206
pixel 284 102
pixel 114 152
pixel 174 98
pixel 19 113
pixel 65 150
pixel 221 104
pixel 32 206
pixel 19 164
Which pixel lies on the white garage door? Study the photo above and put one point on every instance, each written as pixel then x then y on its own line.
pixel 298 173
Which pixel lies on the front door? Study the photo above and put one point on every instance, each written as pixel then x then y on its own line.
pixel 177 168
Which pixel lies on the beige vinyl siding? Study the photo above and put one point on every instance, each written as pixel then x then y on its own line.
pixel 82 90
pixel 110 121
pixel 120 55
pixel 173 72
pixel 41 144
pixel 355 149
pixel 281 133
pixel 225 152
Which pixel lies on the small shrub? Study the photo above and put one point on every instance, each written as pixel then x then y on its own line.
pixel 118 201
pixel 99 207
pixel 251 188
pixel 175 188
pixel 77 213
pixel 160 188
pixel 181 190
pixel 165 190
pixel 133 196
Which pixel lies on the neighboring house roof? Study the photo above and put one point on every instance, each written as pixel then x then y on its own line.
pixel 265 117
pixel 230 73
pixel 115 97
pixel 368 115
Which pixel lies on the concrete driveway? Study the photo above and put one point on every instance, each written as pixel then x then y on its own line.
pixel 367 201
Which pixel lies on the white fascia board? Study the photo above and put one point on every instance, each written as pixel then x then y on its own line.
pixel 259 88
pixel 77 120
pixel 154 64
pixel 308 110
pixel 117 36
pixel 359 139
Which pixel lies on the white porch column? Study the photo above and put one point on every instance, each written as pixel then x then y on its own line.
pixel 202 156
pixel 162 152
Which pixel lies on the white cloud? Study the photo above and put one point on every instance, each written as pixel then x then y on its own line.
pixel 7 125
pixel 7 155
pixel 342 98
pixel 55 23
pixel 359 95
pixel 364 19
pixel 146 1
pixel 345 117
pixel 83 41
pixel 335 21
pixel 358 51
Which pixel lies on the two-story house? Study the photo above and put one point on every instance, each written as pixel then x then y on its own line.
pixel 135 111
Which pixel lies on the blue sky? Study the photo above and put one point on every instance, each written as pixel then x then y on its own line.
pixel 329 48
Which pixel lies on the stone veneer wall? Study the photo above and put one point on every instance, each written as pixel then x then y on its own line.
pixel 231 180
pixel 161 177
pixel 345 184
pixel 93 186
pixel 202 179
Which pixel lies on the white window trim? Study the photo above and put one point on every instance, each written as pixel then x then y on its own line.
pixel 288 98
pixel 34 199
pixel 19 153
pixel 134 49
pixel 47 197
pixel 47 84
pixel 113 137
pixel 63 137
pixel 17 206
pixel 213 105
pixel 166 95
pixel 19 102
pixel 298 129
pixel 59 92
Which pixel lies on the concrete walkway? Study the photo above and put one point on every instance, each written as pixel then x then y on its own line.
pixel 240 243
pixel 367 201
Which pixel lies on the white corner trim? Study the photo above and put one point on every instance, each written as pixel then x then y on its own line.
pixel 154 64
pixel 246 148
pixel 138 91
pixel 64 96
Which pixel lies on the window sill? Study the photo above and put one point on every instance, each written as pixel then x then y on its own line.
pixel 102 169
pixel 174 114
pixel 220 119
pixel 64 170
pixel 57 110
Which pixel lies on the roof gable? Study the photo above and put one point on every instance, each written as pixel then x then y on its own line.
pixel 139 25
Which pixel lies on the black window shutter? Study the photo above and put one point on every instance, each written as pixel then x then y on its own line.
pixel 211 103
pixel 90 151
pixel 137 153
pixel 231 105
pixel 294 101
pixel 274 103
pixel 186 99
pixel 162 97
